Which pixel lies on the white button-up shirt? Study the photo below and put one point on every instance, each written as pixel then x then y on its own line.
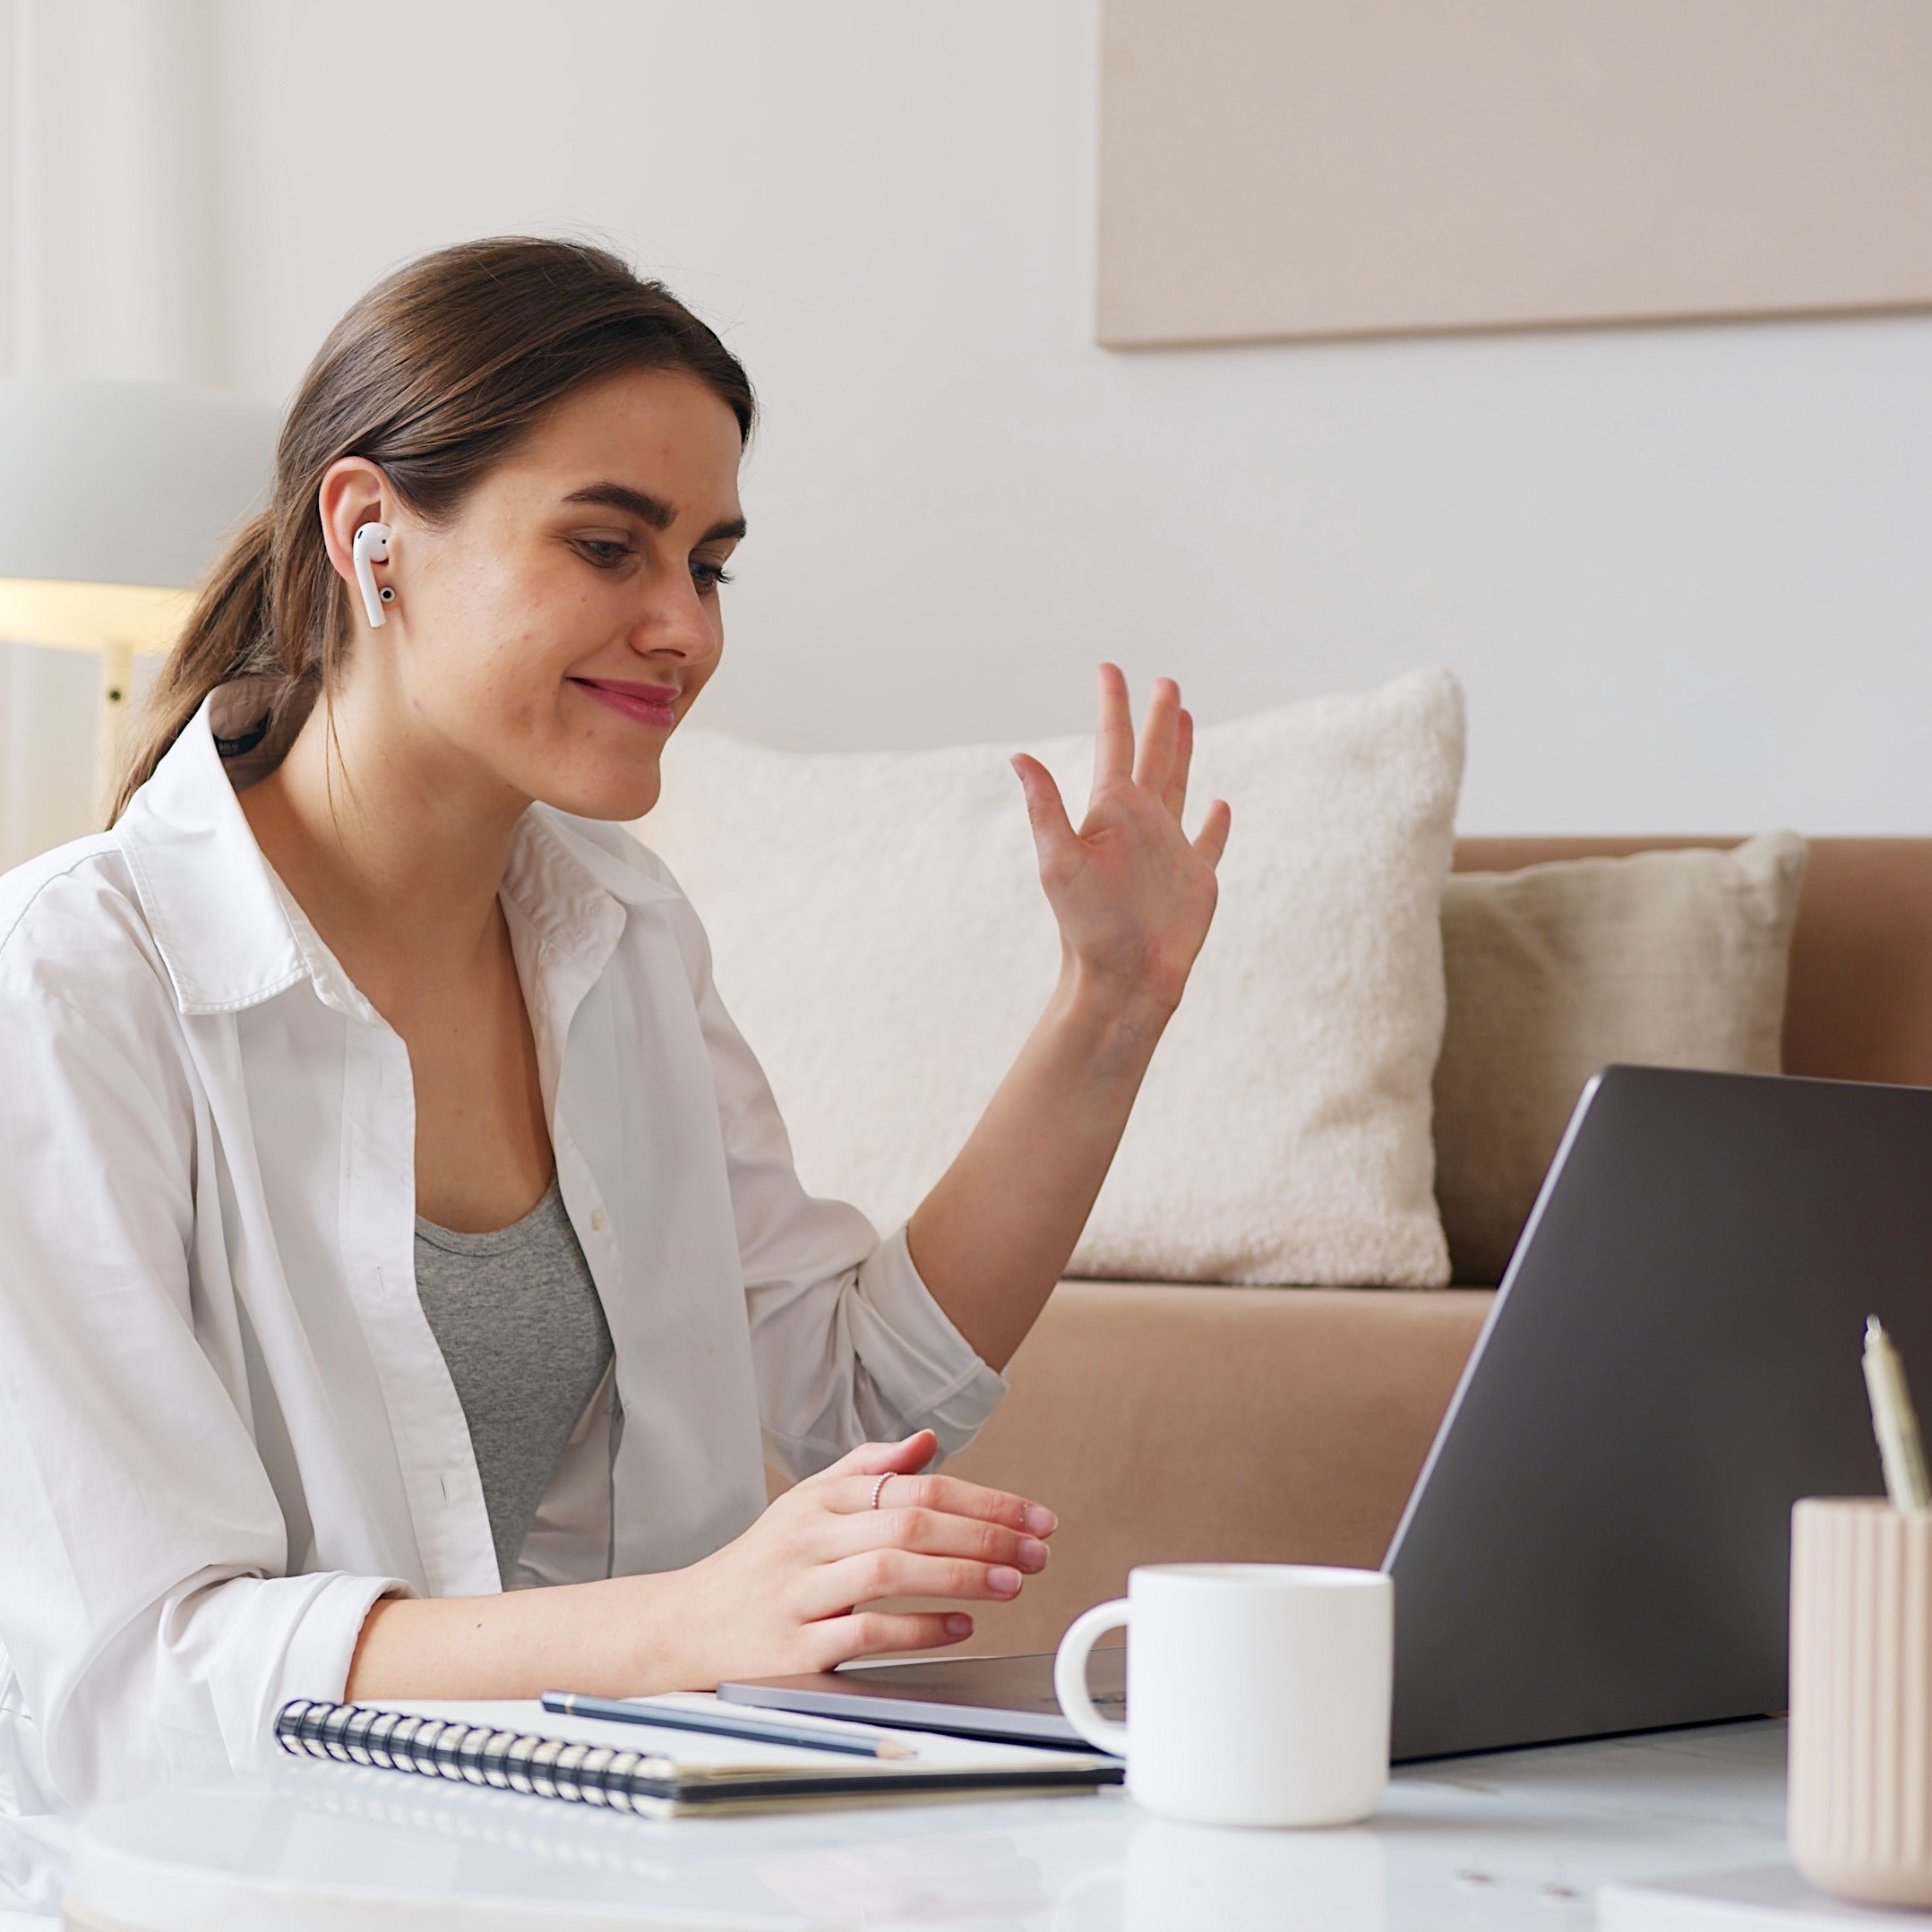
pixel 226 1428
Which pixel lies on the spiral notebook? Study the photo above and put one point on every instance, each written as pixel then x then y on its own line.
pixel 520 1746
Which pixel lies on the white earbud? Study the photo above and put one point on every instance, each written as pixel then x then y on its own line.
pixel 371 546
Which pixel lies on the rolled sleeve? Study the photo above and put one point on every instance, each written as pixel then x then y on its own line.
pixel 321 1645
pixel 854 1349
pixel 206 1667
pixel 924 1368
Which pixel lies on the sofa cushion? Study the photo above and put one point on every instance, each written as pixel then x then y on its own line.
pixel 1669 958
pixel 880 935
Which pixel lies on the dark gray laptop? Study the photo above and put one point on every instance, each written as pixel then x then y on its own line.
pixel 1599 1540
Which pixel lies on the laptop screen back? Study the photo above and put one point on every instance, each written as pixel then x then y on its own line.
pixel 1600 1539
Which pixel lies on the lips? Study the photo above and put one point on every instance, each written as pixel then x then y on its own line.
pixel 642 704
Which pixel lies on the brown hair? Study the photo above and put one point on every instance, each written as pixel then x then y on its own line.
pixel 435 375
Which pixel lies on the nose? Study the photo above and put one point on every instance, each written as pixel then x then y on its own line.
pixel 675 623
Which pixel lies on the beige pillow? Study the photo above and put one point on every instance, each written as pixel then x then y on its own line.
pixel 1555 971
pixel 880 936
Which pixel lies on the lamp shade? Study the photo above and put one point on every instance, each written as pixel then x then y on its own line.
pixel 115 499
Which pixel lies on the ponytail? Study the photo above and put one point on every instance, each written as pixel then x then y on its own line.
pixel 228 635
pixel 434 376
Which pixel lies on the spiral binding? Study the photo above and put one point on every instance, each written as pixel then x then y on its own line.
pixel 470 1754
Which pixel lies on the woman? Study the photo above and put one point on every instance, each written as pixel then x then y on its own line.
pixel 403 1259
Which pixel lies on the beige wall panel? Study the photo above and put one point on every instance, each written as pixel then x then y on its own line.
pixel 1277 168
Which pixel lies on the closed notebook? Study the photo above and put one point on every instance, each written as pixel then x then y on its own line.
pixel 520 1746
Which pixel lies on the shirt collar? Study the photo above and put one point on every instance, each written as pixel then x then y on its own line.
pixel 231 936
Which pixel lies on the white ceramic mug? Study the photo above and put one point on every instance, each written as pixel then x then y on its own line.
pixel 1256 1693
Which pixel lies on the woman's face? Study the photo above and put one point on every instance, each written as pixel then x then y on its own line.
pixel 553 633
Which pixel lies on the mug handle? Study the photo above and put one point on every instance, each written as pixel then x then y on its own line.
pixel 1069 1676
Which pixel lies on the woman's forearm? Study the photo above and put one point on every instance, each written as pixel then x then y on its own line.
pixel 996 1232
pixel 615 1638
pixel 1132 895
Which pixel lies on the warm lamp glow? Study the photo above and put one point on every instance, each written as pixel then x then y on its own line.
pixel 90 616
pixel 113 498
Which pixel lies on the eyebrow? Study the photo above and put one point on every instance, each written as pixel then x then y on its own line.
pixel 652 512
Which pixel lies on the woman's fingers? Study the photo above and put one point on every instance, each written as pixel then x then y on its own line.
pixel 873 1459
pixel 1174 796
pixel 932 1532
pixel 873 1575
pixel 1046 812
pixel 1212 840
pixel 946 1494
pixel 1159 762
pixel 837 1640
pixel 1114 738
pixel 1159 732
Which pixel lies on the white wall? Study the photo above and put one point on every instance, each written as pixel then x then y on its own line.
pixel 1686 573
pixel 108 266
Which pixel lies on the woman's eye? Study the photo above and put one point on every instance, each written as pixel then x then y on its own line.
pixel 707 577
pixel 605 553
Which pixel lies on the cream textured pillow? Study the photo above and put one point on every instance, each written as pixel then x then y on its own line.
pixel 1555 971
pixel 879 934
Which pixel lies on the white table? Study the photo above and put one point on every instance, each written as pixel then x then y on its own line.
pixel 1514 1840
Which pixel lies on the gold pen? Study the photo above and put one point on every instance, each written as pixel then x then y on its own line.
pixel 1893 1421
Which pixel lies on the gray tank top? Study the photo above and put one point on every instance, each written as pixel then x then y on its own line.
pixel 519 1325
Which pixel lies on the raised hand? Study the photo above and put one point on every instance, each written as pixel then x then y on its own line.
pixel 1132 894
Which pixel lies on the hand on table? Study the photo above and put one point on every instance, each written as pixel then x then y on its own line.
pixel 788 1596
pixel 1132 894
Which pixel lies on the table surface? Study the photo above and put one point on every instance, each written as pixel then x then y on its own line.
pixel 1512 1840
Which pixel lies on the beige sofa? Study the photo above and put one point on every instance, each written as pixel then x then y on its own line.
pixel 1170 1423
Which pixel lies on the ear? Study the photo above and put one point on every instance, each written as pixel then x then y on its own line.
pixel 354 492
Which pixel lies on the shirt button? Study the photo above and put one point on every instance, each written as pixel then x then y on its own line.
pixel 596 1219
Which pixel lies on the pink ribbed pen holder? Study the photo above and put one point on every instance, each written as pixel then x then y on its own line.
pixel 1860 1818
